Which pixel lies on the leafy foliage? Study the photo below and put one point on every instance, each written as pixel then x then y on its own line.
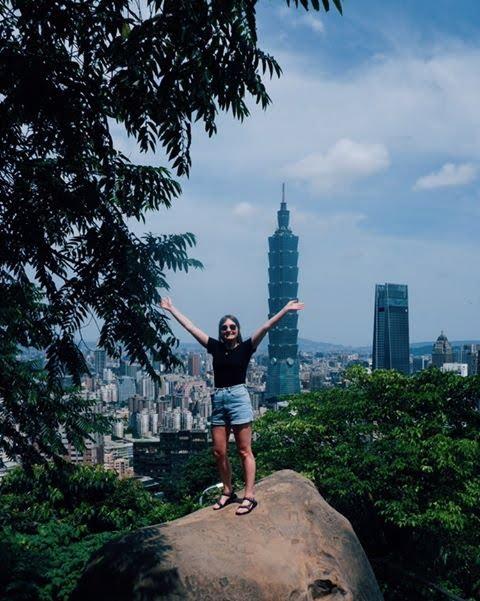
pixel 71 72
pixel 32 404
pixel 400 458
pixel 316 4
pixel 51 523
pixel 200 472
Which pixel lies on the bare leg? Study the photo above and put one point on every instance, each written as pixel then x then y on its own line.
pixel 243 438
pixel 220 435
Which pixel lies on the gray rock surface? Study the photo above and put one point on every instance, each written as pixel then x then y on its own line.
pixel 292 547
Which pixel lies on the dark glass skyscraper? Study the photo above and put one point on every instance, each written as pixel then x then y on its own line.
pixel 100 359
pixel 391 347
pixel 283 368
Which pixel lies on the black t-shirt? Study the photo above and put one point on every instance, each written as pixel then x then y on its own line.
pixel 230 365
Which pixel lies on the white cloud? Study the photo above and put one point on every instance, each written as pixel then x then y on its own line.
pixel 340 261
pixel 244 210
pixel 313 23
pixel 294 19
pixel 417 106
pixel 343 163
pixel 449 175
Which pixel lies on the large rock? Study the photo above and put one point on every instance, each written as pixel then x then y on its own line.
pixel 293 547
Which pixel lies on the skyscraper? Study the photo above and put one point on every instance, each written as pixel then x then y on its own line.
pixel 391 347
pixel 471 353
pixel 442 351
pixel 194 364
pixel 100 360
pixel 283 367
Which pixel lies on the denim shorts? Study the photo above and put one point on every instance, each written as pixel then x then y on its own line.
pixel 231 406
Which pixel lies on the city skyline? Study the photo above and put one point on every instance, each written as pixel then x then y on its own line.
pixel 382 181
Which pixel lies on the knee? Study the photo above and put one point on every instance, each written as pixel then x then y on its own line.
pixel 219 452
pixel 245 452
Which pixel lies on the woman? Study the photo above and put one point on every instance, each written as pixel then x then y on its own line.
pixel 232 408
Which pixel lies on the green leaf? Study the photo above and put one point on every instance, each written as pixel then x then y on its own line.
pixel 338 5
pixel 125 30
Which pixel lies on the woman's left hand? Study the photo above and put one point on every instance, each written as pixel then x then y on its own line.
pixel 294 305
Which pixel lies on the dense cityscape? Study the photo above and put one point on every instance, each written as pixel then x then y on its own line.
pixel 158 425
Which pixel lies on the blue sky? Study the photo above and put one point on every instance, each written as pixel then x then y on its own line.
pixel 375 129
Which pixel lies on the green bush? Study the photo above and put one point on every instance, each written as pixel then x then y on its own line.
pixel 400 458
pixel 52 521
pixel 200 472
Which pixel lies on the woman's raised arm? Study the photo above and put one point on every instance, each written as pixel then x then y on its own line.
pixel 166 303
pixel 293 305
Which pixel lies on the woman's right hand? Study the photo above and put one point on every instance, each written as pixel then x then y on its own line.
pixel 294 305
pixel 166 303
pixel 201 337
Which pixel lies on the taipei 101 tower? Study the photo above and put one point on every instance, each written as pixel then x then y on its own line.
pixel 283 368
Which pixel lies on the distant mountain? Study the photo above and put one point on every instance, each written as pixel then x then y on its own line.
pixel 190 347
pixel 425 348
pixel 305 345
pixel 86 345
pixel 312 346
pixel 452 342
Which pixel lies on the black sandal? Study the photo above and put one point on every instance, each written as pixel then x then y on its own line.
pixel 232 497
pixel 248 508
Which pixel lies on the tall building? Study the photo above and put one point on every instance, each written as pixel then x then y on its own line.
pixel 442 351
pixel 126 388
pixel 109 393
pixel 146 387
pixel 100 359
pixel 194 364
pixel 471 354
pixel 131 370
pixel 391 347
pixel 140 424
pixel 165 456
pixel 283 367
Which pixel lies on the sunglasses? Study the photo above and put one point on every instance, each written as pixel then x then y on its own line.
pixel 226 327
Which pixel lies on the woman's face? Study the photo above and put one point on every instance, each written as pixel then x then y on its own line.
pixel 229 330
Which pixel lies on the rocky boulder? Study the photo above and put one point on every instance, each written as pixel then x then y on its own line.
pixel 293 547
